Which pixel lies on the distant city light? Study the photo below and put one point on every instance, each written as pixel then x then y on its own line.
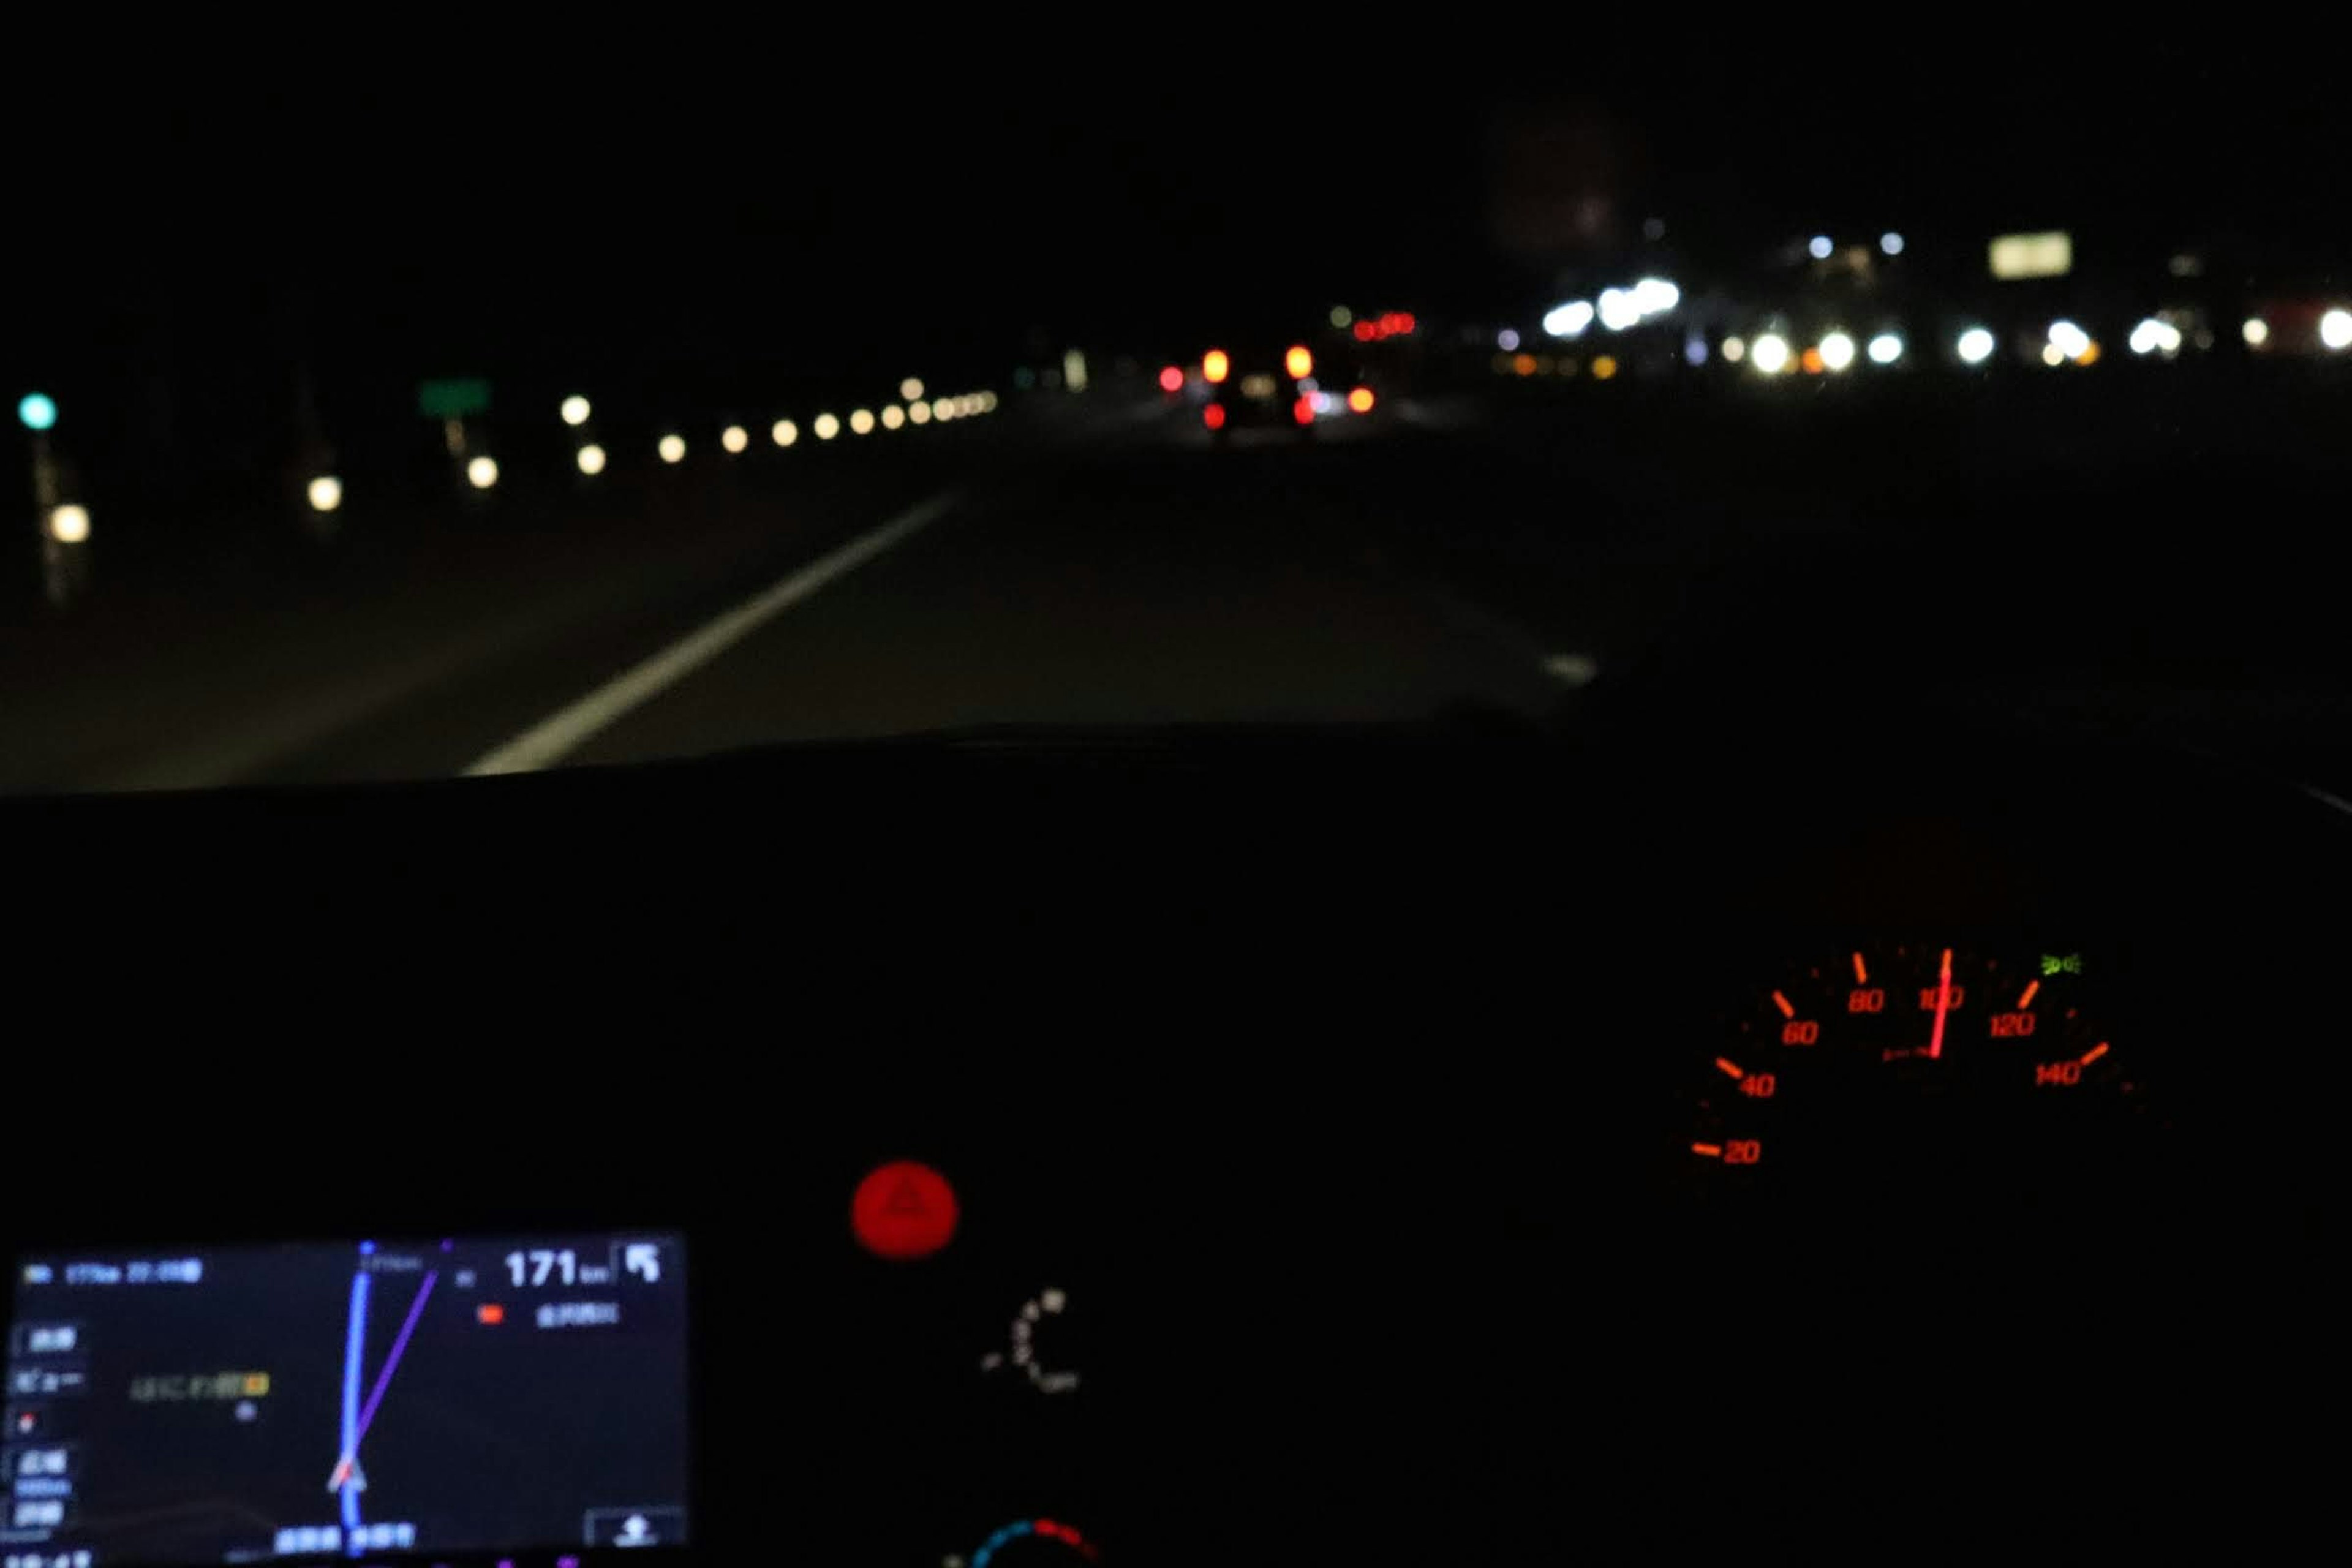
pixel 735 439
pixel 2336 329
pixel 1655 296
pixel 1569 321
pixel 861 421
pixel 1734 350
pixel 893 416
pixel 37 411
pixel 784 432
pixel 1603 367
pixel 1820 247
pixel 2070 340
pixel 575 410
pixel 1297 363
pixel 1508 340
pixel 1619 309
pixel 943 408
pixel 827 426
pixel 2256 332
pixel 911 388
pixel 1891 243
pixel 591 459
pixel 1171 379
pixel 987 402
pixel 2155 336
pixel 1341 317
pixel 1695 349
pixel 672 449
pixel 482 472
pixel 1360 399
pixel 1770 353
pixel 1976 345
pixel 326 493
pixel 1837 351
pixel 1073 370
pixel 1215 365
pixel 918 412
pixel 70 524
pixel 1885 348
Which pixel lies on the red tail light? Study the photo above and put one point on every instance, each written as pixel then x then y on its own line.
pixel 1366 332
pixel 1302 411
pixel 1171 379
pixel 1213 416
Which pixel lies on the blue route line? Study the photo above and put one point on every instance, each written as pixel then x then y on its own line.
pixel 354 1341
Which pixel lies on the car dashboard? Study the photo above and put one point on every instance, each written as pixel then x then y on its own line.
pixel 1238 1148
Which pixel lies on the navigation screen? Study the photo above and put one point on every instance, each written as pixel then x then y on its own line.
pixel 233 1404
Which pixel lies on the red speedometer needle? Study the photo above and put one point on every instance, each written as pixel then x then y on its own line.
pixel 1942 1006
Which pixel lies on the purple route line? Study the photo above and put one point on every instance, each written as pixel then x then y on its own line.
pixel 384 1378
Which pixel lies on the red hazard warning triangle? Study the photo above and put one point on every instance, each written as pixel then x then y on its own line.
pixel 903 1211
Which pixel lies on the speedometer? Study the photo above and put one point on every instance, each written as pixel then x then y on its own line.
pixel 1910 1068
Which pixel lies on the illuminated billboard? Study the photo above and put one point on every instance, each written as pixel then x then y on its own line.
pixel 2050 255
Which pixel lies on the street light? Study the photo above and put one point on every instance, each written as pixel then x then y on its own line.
pixel 1770 353
pixel 575 410
pixel 591 459
pixel 735 439
pixel 1837 351
pixel 1976 346
pixel 482 472
pixel 1886 349
pixel 827 426
pixel 673 448
pixel 37 411
pixel 784 432
pixel 326 493
pixel 861 421
pixel 2336 330
pixel 68 524
pixel 911 388
pixel 918 412
pixel 893 416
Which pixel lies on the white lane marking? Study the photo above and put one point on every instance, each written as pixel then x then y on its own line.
pixel 552 738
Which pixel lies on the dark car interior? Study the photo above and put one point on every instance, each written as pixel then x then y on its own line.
pixel 1342 1088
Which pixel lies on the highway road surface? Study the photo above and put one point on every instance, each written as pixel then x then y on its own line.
pixel 1100 563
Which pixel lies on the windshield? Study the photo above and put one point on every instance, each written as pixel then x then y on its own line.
pixel 374 433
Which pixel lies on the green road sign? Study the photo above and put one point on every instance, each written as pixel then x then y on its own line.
pixel 453 399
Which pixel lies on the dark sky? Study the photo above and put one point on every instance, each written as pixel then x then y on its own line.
pixel 690 194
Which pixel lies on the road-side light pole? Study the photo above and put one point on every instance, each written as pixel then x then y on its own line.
pixel 64 525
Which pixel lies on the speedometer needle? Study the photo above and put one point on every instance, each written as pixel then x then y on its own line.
pixel 1942 1006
